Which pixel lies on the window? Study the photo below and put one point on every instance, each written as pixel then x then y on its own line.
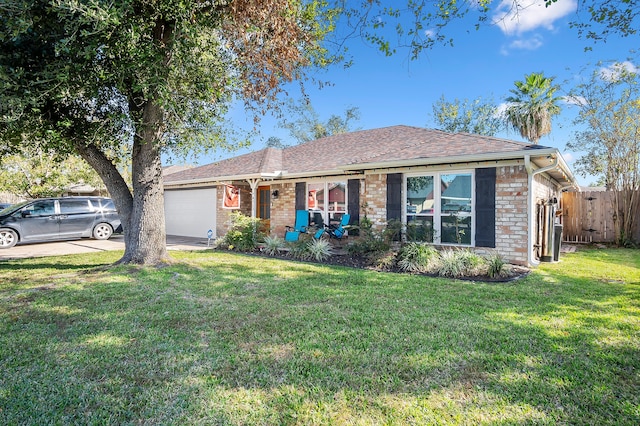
pixel 439 208
pixel 326 201
pixel 73 206
pixel 41 208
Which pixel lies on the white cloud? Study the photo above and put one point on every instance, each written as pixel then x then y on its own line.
pixel 568 156
pixel 613 71
pixel 520 16
pixel 532 43
pixel 430 34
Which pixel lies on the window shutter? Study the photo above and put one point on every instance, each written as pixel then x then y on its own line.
pixel 486 207
pixel 394 196
pixel 353 193
pixel 301 196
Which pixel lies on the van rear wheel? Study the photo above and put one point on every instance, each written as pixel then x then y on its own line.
pixel 102 231
pixel 8 238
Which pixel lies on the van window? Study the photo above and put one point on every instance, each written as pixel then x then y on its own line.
pixel 41 208
pixel 71 206
pixel 105 205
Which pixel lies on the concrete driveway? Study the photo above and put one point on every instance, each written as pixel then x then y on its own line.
pixel 116 242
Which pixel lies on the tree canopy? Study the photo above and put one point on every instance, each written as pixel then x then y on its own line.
pixel 306 124
pixel 111 80
pixel 477 116
pixel 609 113
pixel 532 106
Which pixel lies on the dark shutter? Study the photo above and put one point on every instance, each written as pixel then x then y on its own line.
pixel 301 196
pixel 486 207
pixel 394 196
pixel 353 193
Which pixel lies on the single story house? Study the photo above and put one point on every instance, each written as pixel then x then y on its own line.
pixel 458 189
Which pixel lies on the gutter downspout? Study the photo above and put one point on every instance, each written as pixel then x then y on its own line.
pixel 530 201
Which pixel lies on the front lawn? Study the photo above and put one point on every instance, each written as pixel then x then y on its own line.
pixel 230 339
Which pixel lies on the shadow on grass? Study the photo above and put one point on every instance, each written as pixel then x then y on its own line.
pixel 235 340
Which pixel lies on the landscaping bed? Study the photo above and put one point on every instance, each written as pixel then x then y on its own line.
pixel 373 249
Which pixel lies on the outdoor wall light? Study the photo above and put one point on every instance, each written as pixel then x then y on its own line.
pixel 275 194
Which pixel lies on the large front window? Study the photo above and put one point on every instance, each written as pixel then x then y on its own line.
pixel 326 201
pixel 439 208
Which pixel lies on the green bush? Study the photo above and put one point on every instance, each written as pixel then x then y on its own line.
pixel 460 263
pixel 244 234
pixel 496 266
pixel 419 230
pixel 417 257
pixel 299 249
pixel 272 245
pixel 372 241
pixel 319 250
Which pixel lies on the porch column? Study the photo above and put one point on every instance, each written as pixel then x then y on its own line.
pixel 253 183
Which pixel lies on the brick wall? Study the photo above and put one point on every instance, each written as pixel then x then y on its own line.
pixel 283 208
pixel 373 192
pixel 511 214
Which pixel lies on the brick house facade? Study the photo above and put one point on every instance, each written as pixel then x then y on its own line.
pixel 507 182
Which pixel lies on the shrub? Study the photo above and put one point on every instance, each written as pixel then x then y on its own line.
pixel 244 234
pixel 319 250
pixel 460 263
pixel 272 245
pixel 419 230
pixel 383 260
pixel 496 266
pixel 298 249
pixel 417 257
pixel 372 241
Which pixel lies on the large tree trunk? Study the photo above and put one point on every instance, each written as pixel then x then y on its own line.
pixel 146 242
pixel 141 213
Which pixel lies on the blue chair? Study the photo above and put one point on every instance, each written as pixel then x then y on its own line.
pixel 338 231
pixel 300 227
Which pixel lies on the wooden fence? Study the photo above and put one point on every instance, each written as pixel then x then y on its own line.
pixel 587 217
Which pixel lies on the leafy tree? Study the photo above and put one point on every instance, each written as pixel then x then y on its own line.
pixel 477 116
pixel 308 126
pixel 275 142
pixel 532 106
pixel 606 18
pixel 609 110
pixel 138 78
pixel 41 174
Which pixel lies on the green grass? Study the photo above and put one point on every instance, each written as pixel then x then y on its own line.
pixel 223 338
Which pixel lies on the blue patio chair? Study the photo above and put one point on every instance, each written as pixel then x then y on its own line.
pixel 338 231
pixel 300 227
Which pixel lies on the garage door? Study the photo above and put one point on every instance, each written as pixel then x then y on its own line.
pixel 190 213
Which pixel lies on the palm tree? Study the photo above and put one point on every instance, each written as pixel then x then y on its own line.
pixel 533 105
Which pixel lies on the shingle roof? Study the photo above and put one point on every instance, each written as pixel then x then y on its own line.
pixel 334 153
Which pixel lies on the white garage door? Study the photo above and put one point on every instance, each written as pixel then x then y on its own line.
pixel 190 212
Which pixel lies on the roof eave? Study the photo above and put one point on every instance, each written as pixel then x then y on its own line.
pixel 429 161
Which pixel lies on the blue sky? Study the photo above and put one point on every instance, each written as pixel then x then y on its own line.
pixel 484 63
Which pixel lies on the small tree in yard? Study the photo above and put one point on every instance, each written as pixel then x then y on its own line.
pixel 609 104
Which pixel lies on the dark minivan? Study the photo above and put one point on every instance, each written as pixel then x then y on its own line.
pixel 49 219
